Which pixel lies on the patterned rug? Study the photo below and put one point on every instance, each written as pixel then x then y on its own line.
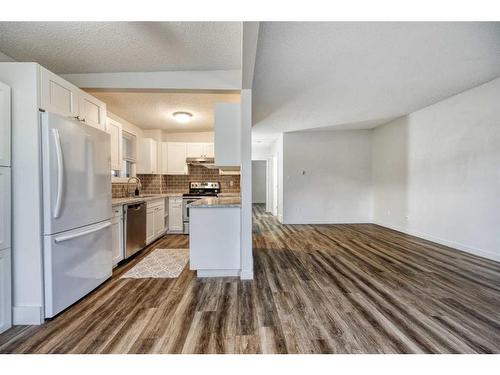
pixel 161 263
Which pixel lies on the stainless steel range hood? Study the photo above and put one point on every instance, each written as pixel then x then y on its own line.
pixel 200 161
pixel 209 163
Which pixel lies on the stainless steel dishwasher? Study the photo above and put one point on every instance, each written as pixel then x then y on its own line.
pixel 135 228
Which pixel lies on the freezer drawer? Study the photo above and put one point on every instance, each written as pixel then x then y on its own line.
pixel 75 263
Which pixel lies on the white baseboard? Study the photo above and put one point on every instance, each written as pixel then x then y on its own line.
pixel 27 315
pixel 246 275
pixel 217 273
pixel 456 245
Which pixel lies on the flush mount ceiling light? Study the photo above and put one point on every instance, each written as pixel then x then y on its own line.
pixel 182 117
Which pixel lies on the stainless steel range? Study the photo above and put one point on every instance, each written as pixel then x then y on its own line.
pixel 197 190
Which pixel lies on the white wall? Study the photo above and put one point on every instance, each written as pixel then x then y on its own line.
pixel 277 181
pixel 327 177
pixel 246 185
pixel 259 181
pixel 437 172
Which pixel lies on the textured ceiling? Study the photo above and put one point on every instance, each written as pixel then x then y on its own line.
pixel 153 110
pixel 360 75
pixel 96 47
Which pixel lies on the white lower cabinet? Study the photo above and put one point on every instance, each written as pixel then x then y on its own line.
pixel 155 224
pixel 117 235
pixel 175 223
pixel 5 290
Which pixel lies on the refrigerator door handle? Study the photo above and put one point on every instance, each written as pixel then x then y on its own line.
pixel 60 173
pixel 80 234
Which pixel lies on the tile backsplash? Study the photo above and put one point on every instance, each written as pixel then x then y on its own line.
pixel 159 184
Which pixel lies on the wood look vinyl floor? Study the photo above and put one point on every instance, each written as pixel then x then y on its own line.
pixel 317 289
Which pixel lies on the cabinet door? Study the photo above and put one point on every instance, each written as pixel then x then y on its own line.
pixel 117 239
pixel 92 111
pixel 158 218
pixel 195 150
pixel 176 163
pixel 164 158
pixel 5 215
pixel 150 225
pixel 115 131
pixel 175 223
pixel 148 157
pixel 208 150
pixel 58 95
pixel 5 290
pixel 4 125
pixel 154 157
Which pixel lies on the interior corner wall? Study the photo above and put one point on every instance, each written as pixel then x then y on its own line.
pixel 436 172
pixel 327 177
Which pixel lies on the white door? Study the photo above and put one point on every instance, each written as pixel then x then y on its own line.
pixel 75 263
pixel 76 174
pixel 92 111
pixel 159 220
pixel 176 163
pixel 175 223
pixel 4 125
pixel 148 157
pixel 117 235
pixel 209 150
pixel 5 290
pixel 150 224
pixel 5 213
pixel 164 158
pixel 58 95
pixel 115 131
pixel 195 150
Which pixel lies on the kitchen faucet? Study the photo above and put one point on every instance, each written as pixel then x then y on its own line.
pixel 139 184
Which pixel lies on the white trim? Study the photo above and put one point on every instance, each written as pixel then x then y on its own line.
pixel 27 315
pixel 454 245
pixel 218 273
pixel 168 80
pixel 246 275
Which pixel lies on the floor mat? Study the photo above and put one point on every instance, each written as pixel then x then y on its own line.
pixel 161 263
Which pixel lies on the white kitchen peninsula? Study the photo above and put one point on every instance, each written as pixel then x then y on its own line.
pixel 214 237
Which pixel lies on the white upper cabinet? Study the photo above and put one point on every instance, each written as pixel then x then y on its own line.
pixel 176 158
pixel 4 125
pixel 194 150
pixel 58 95
pixel 227 134
pixel 200 150
pixel 92 111
pixel 209 150
pixel 65 99
pixel 164 158
pixel 148 157
pixel 114 129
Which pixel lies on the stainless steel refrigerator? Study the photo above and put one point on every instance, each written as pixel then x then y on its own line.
pixel 76 210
